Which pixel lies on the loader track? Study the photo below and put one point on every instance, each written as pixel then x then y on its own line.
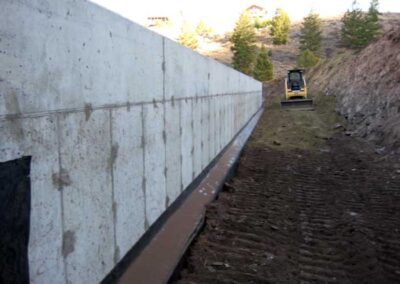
pixel 301 217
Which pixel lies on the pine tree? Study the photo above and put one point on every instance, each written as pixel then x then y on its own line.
pixel 307 59
pixel 203 30
pixel 310 33
pixel 264 70
pixel 359 28
pixel 188 37
pixel 372 19
pixel 243 47
pixel 260 24
pixel 353 28
pixel 280 24
pixel 257 23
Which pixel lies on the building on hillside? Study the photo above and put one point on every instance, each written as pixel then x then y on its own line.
pixel 165 25
pixel 256 11
pixel 158 21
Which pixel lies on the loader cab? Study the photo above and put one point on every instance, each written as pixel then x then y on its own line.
pixel 295 80
pixel 295 85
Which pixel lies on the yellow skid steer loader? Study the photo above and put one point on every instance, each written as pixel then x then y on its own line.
pixel 296 94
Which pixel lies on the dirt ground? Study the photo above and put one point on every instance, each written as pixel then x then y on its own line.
pixel 309 204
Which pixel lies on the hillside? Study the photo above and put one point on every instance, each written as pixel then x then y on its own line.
pixel 367 88
pixel 366 84
pixel 284 56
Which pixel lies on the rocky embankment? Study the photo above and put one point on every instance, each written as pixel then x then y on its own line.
pixel 367 87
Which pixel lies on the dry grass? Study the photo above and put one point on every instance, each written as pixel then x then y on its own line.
pixel 297 129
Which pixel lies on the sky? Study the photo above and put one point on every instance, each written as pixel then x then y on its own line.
pixel 222 14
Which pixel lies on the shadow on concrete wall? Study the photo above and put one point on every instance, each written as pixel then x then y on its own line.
pixel 15 195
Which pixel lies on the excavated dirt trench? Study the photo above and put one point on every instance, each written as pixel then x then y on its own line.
pixel 316 206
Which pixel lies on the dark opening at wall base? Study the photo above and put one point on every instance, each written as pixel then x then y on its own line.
pixel 15 200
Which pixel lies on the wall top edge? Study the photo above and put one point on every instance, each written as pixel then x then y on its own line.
pixel 131 22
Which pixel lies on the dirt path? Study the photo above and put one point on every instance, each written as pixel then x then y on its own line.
pixel 321 212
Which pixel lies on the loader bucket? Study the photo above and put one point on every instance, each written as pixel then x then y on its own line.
pixel 297 104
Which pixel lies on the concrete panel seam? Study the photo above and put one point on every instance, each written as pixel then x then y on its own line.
pixel 164 133
pixel 193 140
pixel 113 205
pixel 180 146
pixel 61 194
pixel 163 67
pixel 164 123
pixel 143 145
pixel 92 108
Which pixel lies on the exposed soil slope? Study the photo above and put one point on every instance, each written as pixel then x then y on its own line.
pixel 320 212
pixel 367 87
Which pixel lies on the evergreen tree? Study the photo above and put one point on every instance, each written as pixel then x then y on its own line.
pixel 243 47
pixel 203 30
pixel 353 28
pixel 257 23
pixel 280 24
pixel 187 37
pixel 373 26
pixel 264 70
pixel 260 24
pixel 307 59
pixel 310 33
pixel 359 28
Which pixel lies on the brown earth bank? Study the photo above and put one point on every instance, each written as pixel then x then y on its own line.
pixel 366 84
pixel 309 204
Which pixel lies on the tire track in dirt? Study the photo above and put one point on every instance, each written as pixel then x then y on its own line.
pixel 301 216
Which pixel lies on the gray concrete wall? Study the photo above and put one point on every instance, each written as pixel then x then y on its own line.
pixel 118 121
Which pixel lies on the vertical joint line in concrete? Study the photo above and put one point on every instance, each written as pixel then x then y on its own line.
pixel 180 143
pixel 143 144
pixel 208 83
pixel 61 194
pixel 164 125
pixel 165 134
pixel 209 130
pixel 201 134
pixel 113 205
pixel 163 67
pixel 193 139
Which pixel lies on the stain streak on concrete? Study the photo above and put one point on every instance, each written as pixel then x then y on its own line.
pixel 68 245
pixel 113 155
pixel 88 111
pixel 13 111
pixel 61 179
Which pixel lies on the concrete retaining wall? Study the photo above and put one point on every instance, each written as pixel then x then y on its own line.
pixel 118 121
